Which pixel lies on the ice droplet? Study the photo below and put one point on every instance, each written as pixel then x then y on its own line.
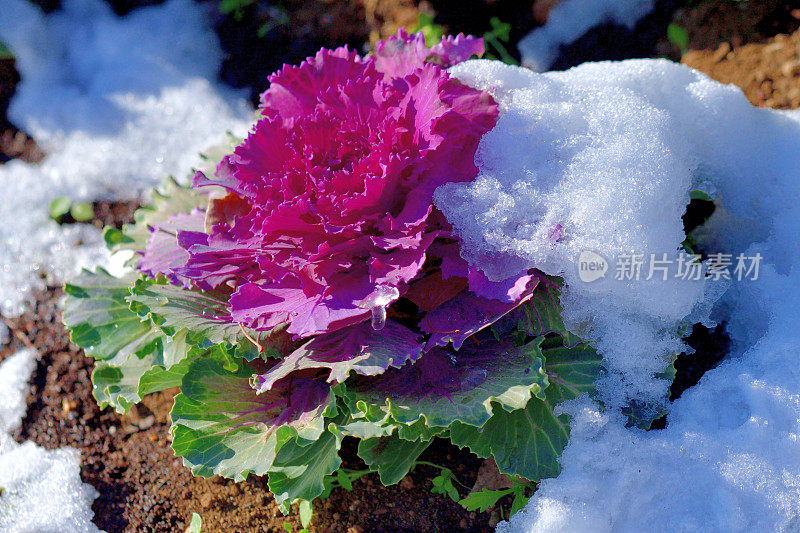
pixel 378 317
pixel 377 302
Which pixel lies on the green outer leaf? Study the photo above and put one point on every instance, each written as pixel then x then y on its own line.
pixel 573 370
pixel 299 472
pixel 358 426
pixel 176 308
pixel 212 156
pixel 120 384
pixel 528 442
pixel 642 415
pixel 123 386
pixel 419 430
pixel 525 442
pixel 221 426
pixel 203 315
pixel 541 314
pixel 134 357
pixel 100 321
pixel 514 376
pixel 391 456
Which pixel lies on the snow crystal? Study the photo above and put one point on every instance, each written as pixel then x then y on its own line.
pixel 118 104
pixel 570 19
pixel 41 490
pixel 612 151
pixel 14 374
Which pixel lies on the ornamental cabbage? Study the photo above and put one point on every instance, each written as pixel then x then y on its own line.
pixel 308 289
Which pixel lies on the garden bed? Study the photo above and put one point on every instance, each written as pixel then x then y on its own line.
pixel 128 459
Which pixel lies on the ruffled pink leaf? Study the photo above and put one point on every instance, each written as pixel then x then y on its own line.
pixel 309 312
pixel 163 254
pixel 465 315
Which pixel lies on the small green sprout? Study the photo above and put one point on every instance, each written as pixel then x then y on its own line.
pixel 236 7
pixel 497 41
pixel 5 52
pixel 306 511
pixel 82 211
pixel 63 206
pixel 678 36
pixel 486 499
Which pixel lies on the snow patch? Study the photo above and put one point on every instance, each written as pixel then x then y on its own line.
pixel 118 104
pixel 608 182
pixel 41 489
pixel 14 374
pixel 612 151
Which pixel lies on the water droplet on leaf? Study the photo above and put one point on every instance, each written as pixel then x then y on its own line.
pixel 378 317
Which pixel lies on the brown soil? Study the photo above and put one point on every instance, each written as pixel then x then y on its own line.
pixel 768 73
pixel 711 23
pixel 385 17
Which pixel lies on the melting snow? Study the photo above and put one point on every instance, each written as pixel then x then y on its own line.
pixel 612 151
pixel 117 104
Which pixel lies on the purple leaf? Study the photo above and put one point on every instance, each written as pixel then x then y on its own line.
pixel 359 348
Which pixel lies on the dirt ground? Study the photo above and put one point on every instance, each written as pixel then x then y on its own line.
pixel 142 486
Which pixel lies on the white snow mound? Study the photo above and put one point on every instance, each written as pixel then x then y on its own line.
pixel 117 104
pixel 609 152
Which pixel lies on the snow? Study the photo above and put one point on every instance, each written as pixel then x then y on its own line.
pixel 614 149
pixel 570 19
pixel 118 104
pixel 615 184
pixel 14 374
pixel 41 489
